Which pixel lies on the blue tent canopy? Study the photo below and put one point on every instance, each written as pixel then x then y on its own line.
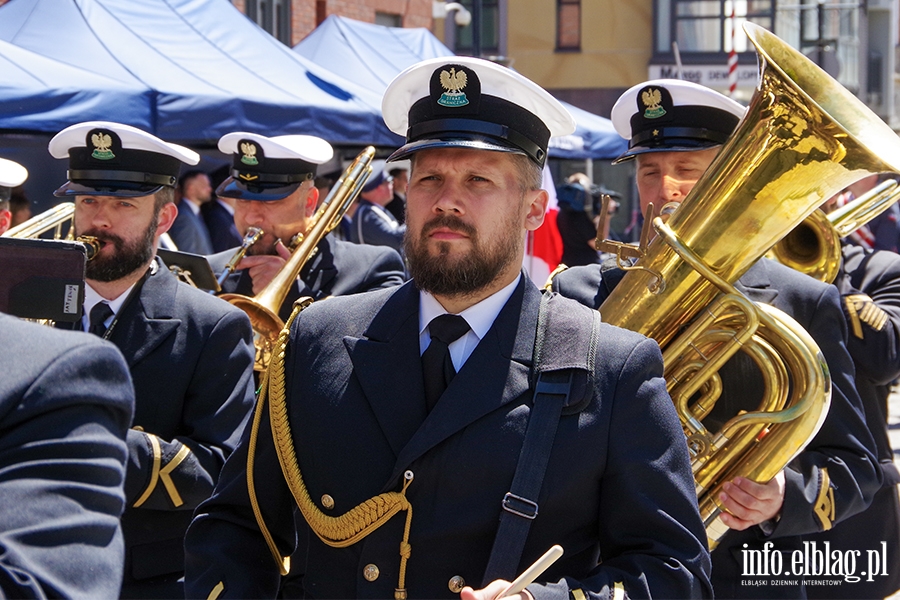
pixel 39 94
pixel 376 54
pixel 211 70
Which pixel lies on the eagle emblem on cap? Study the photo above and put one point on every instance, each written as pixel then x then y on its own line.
pixel 248 152
pixel 453 82
pixel 652 99
pixel 102 142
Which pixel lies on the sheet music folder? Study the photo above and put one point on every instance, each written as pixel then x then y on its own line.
pixel 42 279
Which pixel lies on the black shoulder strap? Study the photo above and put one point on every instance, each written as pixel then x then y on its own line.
pixel 564 353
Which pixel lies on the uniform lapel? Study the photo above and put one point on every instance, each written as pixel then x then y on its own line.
pixel 147 318
pixel 757 284
pixel 319 273
pixel 387 365
pixel 479 388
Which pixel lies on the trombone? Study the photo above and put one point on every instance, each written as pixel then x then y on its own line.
pixel 263 308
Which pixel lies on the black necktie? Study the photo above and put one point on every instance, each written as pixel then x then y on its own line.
pixel 437 367
pixel 99 314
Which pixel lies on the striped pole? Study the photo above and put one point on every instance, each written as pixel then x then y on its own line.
pixel 732 57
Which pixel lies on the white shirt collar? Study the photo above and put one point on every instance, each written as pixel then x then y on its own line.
pixel 195 208
pixel 227 206
pixel 92 298
pixel 479 316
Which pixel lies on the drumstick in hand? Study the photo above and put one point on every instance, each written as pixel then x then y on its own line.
pixel 532 572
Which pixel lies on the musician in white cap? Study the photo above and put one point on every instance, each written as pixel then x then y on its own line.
pixel 12 174
pixel 190 354
pixel 271 183
pixel 675 130
pixel 495 424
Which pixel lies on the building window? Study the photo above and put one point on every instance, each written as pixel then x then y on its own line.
pixel 272 15
pixel 706 25
pixel 388 19
pixel 568 24
pixel 490 30
pixel 824 30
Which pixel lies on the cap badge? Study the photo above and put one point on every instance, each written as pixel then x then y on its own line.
pixel 249 153
pixel 248 176
pixel 651 99
pixel 102 142
pixel 453 82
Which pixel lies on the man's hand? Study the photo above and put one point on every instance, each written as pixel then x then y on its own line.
pixel 263 268
pixel 751 503
pixel 493 589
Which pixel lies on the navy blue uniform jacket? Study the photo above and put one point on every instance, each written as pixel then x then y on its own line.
pixel 220 222
pixel 617 487
pixel 843 445
pixel 875 347
pixel 189 231
pixel 66 401
pixel 191 358
pixel 338 269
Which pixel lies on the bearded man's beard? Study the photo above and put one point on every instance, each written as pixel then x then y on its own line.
pixel 447 275
pixel 128 257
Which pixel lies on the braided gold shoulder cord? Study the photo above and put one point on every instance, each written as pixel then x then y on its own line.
pixel 337 532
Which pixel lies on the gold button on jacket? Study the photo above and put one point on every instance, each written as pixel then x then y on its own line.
pixel 371 572
pixel 456 584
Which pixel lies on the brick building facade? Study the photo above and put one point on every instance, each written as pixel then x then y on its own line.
pixel 305 15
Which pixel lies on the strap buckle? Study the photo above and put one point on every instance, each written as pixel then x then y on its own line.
pixel 520 506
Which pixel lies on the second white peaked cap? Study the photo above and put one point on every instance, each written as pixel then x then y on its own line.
pixel 11 174
pixel 674 115
pixel 270 168
pixel 114 159
pixel 472 103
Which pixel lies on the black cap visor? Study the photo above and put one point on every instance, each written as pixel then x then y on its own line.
pixel 118 189
pixel 232 188
pixel 682 145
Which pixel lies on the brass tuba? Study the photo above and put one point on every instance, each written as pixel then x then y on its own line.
pixel 53 220
pixel 803 139
pixel 263 308
pixel 814 246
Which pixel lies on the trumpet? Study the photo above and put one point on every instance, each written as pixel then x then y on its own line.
pixel 54 219
pixel 264 307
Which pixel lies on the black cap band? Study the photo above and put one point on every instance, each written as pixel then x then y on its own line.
pixel 102 164
pixel 677 136
pixel 675 126
pixel 446 128
pixel 122 176
pixel 259 178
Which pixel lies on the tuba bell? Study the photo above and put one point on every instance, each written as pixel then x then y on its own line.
pixel 803 139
